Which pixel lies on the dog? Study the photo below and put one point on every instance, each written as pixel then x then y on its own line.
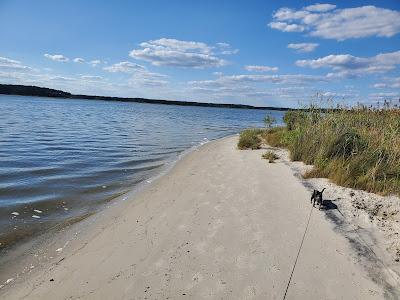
pixel 317 197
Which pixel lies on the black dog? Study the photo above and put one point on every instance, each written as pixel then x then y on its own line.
pixel 317 197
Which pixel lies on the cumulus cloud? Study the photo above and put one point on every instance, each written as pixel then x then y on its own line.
pixel 79 60
pixel 11 64
pixel 57 57
pixel 320 7
pixel 303 47
pixel 261 69
pixel 346 65
pixel 177 53
pixel 124 67
pixel 323 20
pixel 286 27
pixel 141 76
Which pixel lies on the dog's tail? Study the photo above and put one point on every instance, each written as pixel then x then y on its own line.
pixel 322 190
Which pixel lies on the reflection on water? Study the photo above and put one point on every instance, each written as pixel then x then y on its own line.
pixel 60 158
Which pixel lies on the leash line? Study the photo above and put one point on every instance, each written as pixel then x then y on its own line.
pixel 298 253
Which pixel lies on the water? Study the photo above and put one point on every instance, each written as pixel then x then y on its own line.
pixel 63 158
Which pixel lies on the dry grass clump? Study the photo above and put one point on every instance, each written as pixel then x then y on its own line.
pixel 250 139
pixel 270 156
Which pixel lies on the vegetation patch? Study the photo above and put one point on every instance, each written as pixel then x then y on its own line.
pixel 357 148
pixel 250 139
pixel 270 156
pixel 275 136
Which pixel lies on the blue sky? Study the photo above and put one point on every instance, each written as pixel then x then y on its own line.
pixel 278 53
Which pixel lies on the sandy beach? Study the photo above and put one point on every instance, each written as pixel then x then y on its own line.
pixel 222 224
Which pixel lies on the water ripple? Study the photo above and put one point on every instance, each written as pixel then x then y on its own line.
pixel 65 158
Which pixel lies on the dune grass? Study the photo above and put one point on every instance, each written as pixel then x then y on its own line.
pixel 250 139
pixel 270 156
pixel 357 148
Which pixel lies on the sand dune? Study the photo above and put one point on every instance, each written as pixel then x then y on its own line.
pixel 223 224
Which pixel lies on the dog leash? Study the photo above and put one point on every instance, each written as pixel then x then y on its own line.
pixel 298 253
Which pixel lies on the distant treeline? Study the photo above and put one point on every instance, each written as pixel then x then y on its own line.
pixel 24 90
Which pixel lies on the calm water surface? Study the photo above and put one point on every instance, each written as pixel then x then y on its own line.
pixel 60 159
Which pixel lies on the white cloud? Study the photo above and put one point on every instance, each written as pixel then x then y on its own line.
pixel 389 96
pixel 57 57
pixel 172 52
pixel 141 76
pixel 283 26
pixel 124 67
pixel 61 78
pixel 280 90
pixel 91 77
pixel 226 49
pixel 178 45
pixel 261 69
pixel 346 65
pixel 303 47
pixel 254 79
pixel 145 78
pixel 393 83
pixel 223 45
pixel 10 64
pixel 95 62
pixel 79 60
pixel 320 7
pixel 323 21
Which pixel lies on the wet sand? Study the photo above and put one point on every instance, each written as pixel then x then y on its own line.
pixel 222 224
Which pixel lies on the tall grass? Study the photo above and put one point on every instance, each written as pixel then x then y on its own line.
pixel 358 148
pixel 250 139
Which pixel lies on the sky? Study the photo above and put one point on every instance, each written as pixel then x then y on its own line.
pixel 264 53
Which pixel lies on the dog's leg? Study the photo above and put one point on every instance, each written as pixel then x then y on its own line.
pixel 313 198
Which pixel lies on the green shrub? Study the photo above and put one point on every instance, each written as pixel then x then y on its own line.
pixel 269 121
pixel 249 139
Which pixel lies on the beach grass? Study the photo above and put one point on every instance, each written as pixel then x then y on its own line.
pixel 270 156
pixel 250 139
pixel 357 148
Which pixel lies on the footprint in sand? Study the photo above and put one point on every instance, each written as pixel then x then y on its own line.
pixel 275 268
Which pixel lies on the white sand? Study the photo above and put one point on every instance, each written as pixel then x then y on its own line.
pixel 223 224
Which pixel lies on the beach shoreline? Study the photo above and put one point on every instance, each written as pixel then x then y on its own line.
pixel 219 223
pixel 17 258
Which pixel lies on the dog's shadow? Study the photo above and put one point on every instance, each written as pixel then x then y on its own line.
pixel 328 205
